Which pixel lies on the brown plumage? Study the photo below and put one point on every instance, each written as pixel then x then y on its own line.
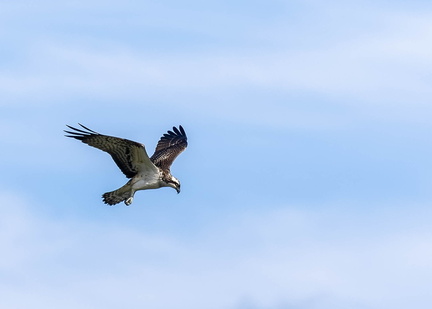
pixel 132 159
pixel 169 147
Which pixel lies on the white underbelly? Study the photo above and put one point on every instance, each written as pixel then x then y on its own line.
pixel 143 184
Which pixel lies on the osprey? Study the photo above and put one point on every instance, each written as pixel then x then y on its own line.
pixel 132 159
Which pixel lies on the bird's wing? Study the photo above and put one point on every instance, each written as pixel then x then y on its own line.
pixel 170 145
pixel 131 157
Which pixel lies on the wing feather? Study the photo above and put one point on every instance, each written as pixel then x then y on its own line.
pixel 170 145
pixel 131 157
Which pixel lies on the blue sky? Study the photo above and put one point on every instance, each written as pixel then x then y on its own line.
pixel 306 183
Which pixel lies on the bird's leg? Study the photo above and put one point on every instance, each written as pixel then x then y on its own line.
pixel 128 201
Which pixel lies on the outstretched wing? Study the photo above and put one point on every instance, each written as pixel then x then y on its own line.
pixel 131 157
pixel 170 145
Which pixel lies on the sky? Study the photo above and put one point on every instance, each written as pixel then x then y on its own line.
pixel 306 183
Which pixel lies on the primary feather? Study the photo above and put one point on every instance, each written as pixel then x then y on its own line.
pixel 169 147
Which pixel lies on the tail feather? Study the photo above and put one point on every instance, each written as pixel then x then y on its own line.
pixel 117 196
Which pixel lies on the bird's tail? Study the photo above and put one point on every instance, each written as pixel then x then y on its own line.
pixel 122 194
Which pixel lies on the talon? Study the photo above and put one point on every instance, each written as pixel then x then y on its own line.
pixel 129 201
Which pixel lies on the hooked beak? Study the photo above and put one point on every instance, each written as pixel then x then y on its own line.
pixel 178 190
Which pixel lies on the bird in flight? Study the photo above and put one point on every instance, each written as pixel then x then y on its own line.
pixel 132 159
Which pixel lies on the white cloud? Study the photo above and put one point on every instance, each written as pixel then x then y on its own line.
pixel 368 65
pixel 386 66
pixel 297 256
pixel 328 257
pixel 379 73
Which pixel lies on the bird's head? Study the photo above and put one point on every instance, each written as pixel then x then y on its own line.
pixel 174 183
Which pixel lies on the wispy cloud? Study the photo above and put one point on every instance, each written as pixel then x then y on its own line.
pixel 331 257
pixel 314 192
pixel 381 66
pixel 388 65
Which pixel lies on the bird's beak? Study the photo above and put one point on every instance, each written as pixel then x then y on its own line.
pixel 178 190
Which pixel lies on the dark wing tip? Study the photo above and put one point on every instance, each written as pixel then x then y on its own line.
pixel 177 132
pixel 182 130
pixel 79 133
pixel 88 129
